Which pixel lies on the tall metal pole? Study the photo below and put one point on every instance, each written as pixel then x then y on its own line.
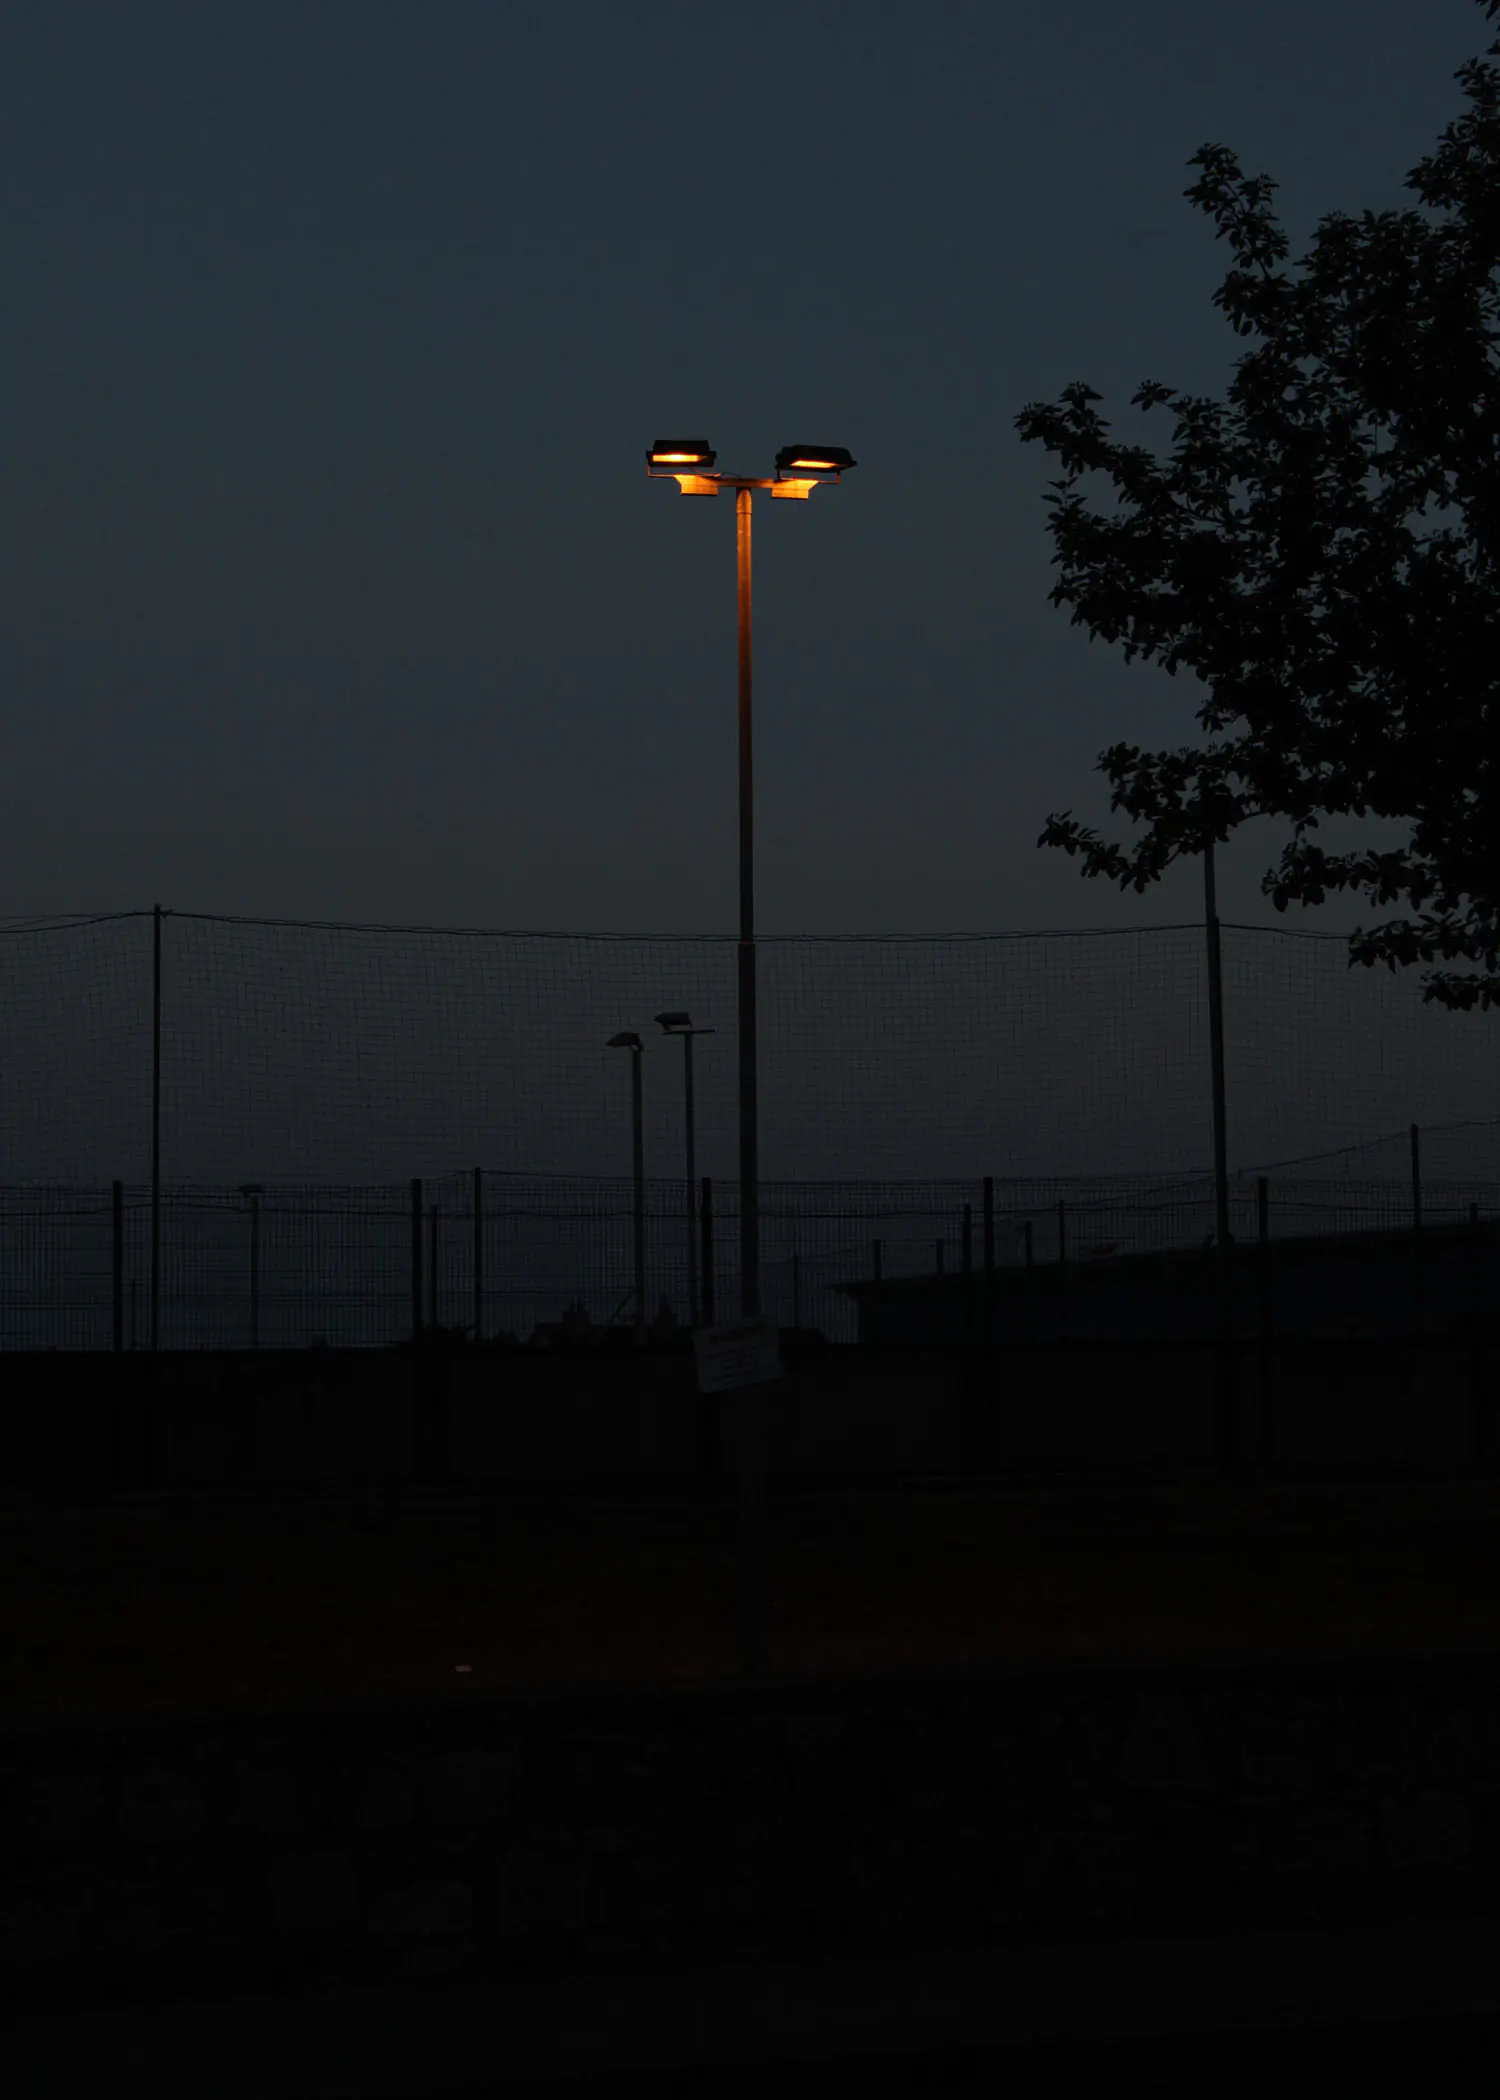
pixel 751 1557
pixel 749 1150
pixel 639 1170
pixel 692 1205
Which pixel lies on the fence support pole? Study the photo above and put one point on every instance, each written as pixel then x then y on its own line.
pixel 255 1272
pixel 1062 1269
pixel 1478 1427
pixel 988 1385
pixel 1267 1320
pixel 155 1128
pixel 478 1255
pixel 966 1270
pixel 710 1405
pixel 1216 1057
pixel 966 1311
pixel 1418 1294
pixel 1223 1362
pixel 416 1259
pixel 432 1266
pixel 117 1265
pixel 706 1265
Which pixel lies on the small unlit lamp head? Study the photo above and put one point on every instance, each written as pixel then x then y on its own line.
pixel 668 1022
pixel 625 1040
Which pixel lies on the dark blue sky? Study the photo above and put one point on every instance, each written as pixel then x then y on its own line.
pixel 334 583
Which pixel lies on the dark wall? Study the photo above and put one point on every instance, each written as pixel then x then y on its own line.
pixel 1389 1287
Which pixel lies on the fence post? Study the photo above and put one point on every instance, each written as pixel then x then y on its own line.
pixel 255 1271
pixel 966 1270
pixel 1224 1367
pixel 706 1265
pixel 1033 1324
pixel 1216 1062
pixel 1267 1319
pixel 987 1388
pixel 155 1314
pixel 1417 1282
pixel 117 1264
pixel 1478 1427
pixel 966 1309
pixel 432 1266
pixel 710 1415
pixel 416 1259
pixel 478 1255
pixel 1064 1325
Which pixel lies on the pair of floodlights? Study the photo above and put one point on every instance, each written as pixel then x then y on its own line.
pixel 692 460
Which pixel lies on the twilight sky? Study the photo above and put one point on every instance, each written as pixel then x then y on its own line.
pixel 335 588
pixel 334 584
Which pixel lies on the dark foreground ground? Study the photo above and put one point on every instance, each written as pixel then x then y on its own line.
pixel 183 1603
pixel 1393 2013
pixel 242 1600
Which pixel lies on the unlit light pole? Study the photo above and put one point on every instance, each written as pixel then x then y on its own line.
pixel 681 1024
pixel 627 1040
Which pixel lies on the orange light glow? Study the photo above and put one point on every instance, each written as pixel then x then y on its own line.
pixel 678 459
pixel 825 466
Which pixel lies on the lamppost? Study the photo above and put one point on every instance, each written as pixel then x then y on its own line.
pixel 252 1191
pixel 626 1040
pixel 799 469
pixel 681 1024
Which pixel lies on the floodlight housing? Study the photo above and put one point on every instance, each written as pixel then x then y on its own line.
pixel 681 456
pixel 800 460
pixel 671 1021
pixel 625 1040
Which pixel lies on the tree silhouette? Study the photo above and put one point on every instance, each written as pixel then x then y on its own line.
pixel 1282 554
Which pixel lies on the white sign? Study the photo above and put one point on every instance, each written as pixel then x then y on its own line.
pixel 744 1354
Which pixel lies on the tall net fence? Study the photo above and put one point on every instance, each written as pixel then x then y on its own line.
pixel 510 1254
pixel 321 1054
pixel 326 1066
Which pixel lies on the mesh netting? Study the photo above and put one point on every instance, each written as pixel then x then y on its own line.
pixel 329 1065
pixel 293 1051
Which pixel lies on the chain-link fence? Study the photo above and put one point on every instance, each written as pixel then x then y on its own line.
pixel 188 1049
pixel 209 1125
pixel 282 1265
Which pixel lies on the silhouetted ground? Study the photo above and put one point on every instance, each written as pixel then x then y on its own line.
pixel 1394 2060
pixel 1438 2060
pixel 233 1600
